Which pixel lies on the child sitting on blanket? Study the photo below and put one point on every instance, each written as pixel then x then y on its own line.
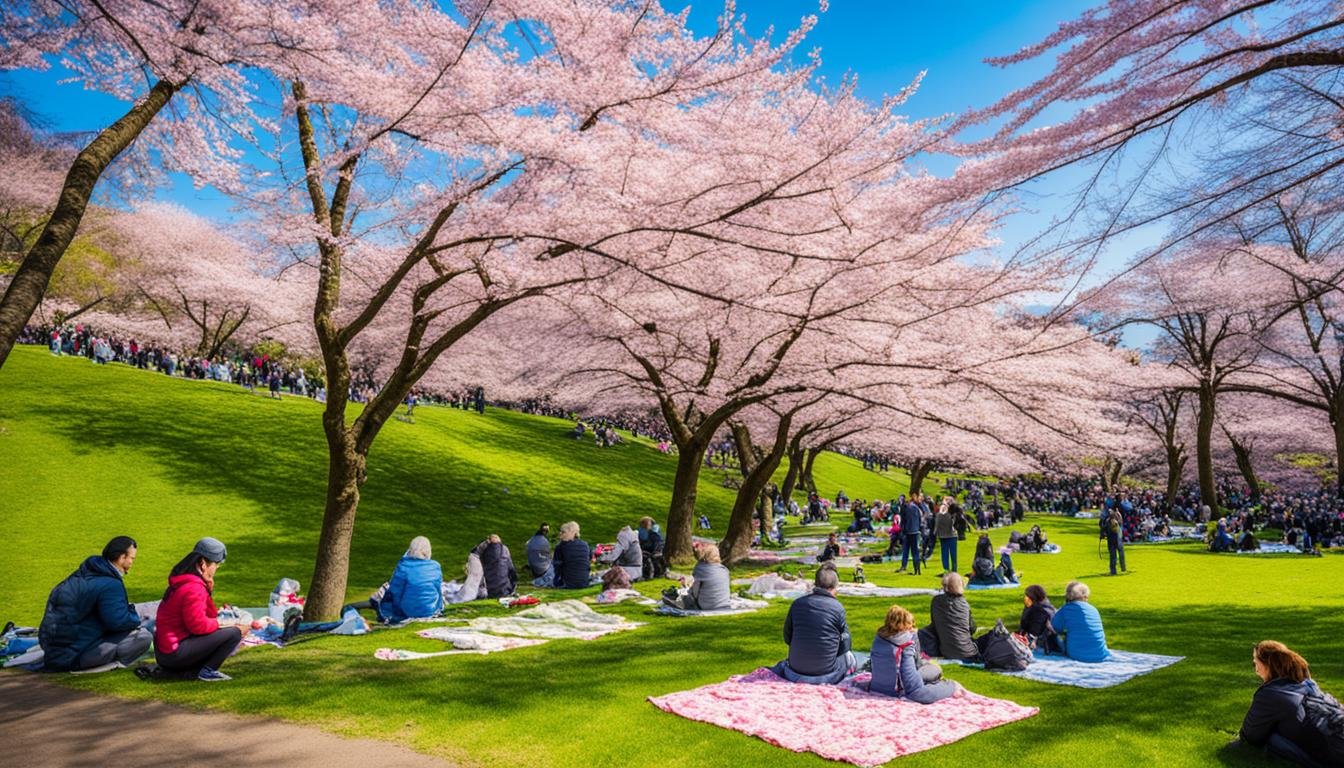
pixel 896 663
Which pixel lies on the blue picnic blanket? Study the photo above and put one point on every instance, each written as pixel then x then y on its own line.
pixel 1061 670
pixel 1009 585
pixel 1272 547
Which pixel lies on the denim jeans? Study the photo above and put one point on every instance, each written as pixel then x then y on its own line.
pixel 949 550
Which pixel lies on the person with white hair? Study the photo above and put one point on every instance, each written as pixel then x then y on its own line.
pixel 415 590
pixel 572 561
pixel 1078 625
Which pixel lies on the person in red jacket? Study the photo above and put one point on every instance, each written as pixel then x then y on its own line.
pixel 188 637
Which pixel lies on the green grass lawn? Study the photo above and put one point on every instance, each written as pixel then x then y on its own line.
pixel 87 453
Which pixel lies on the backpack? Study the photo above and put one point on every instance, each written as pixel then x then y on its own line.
pixel 982 568
pixel 1324 714
pixel 1002 649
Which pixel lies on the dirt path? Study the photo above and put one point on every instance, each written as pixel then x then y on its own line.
pixel 48 725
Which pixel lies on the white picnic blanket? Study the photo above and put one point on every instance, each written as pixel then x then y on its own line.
pixel 772 585
pixel 565 619
pixel 736 605
pixel 463 640
pixel 613 596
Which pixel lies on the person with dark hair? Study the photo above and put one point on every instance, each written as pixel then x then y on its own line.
pixel 1278 719
pixel 1035 622
pixel 817 633
pixel 189 639
pixel 539 555
pixel 89 621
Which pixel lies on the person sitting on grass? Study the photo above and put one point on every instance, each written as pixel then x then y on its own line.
pixel 539 556
pixel 896 663
pixel 830 550
pixel 415 590
pixel 627 554
pixel 89 621
pixel 1277 719
pixel 1079 626
pixel 189 639
pixel 710 588
pixel 572 560
pixel 817 633
pixel 951 623
pixel 498 573
pixel 1035 621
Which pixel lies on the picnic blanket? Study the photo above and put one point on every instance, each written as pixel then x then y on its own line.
pixel 844 723
pixel 1060 670
pixel 565 619
pixel 1272 548
pixel 736 605
pixel 613 596
pixel 772 585
pixel 1009 585
pixel 1050 548
pixel 463 640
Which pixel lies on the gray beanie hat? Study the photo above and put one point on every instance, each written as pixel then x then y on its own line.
pixel 211 549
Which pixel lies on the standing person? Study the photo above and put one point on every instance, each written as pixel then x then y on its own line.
pixel 910 525
pixel 89 621
pixel 1112 525
pixel 188 636
pixel 817 633
pixel 945 529
pixel 1277 719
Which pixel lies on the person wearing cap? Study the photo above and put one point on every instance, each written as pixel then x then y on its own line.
pixel 89 621
pixel 189 639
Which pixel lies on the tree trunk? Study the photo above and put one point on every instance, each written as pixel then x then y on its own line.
pixel 919 471
pixel 30 281
pixel 1208 491
pixel 805 477
pixel 792 473
pixel 1175 467
pixel 345 475
pixel 746 450
pixel 1242 452
pixel 681 513
pixel 737 541
pixel 1338 426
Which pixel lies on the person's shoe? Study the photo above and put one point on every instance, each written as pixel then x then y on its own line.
pixel 8 626
pixel 146 671
pixel 208 675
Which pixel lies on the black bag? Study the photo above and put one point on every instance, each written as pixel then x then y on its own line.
pixel 1325 714
pixel 983 568
pixel 928 641
pixel 1001 650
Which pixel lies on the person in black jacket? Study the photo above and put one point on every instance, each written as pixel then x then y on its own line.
pixel 1035 621
pixel 572 559
pixel 89 621
pixel 498 573
pixel 817 632
pixel 1276 720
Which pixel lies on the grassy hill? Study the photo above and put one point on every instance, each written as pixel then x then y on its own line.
pixel 90 452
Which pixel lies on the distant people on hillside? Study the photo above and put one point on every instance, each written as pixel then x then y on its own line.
pixel 89 621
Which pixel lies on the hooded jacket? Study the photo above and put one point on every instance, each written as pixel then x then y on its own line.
pixel 187 610
pixel 89 604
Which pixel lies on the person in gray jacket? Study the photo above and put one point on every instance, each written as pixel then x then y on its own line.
pixel 818 635
pixel 952 624
pixel 896 663
pixel 627 553
pixel 539 556
pixel 710 586
pixel 945 529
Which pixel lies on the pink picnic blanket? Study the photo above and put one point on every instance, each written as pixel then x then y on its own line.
pixel 838 722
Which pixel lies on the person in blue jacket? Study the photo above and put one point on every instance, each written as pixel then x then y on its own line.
pixel 415 590
pixel 895 659
pixel 572 560
pixel 910 526
pixel 1079 626
pixel 818 635
pixel 89 621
